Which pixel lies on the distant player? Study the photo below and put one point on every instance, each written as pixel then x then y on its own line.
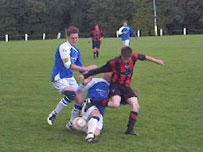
pixel 122 68
pixel 67 59
pixel 98 89
pixel 125 32
pixel 96 36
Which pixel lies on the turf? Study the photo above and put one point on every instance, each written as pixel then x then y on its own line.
pixel 170 119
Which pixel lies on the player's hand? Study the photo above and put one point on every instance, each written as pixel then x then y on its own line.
pixel 80 77
pixel 160 62
pixel 86 81
pixel 88 41
pixel 90 67
pixel 136 92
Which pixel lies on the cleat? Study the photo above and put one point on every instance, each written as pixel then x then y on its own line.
pixel 88 104
pixel 90 138
pixel 51 118
pixel 131 133
pixel 69 126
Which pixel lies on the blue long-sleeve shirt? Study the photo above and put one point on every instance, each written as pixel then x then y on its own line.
pixel 125 32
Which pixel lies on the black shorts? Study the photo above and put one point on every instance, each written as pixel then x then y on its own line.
pixel 96 44
pixel 124 92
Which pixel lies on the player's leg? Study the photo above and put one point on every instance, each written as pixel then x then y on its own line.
pixel 92 115
pixel 77 107
pixel 126 43
pixel 98 47
pixel 94 118
pixel 133 101
pixel 114 102
pixel 115 94
pixel 67 87
pixel 123 43
pixel 99 129
pixel 63 87
pixel 94 49
pixel 64 102
pixel 76 110
pixel 95 53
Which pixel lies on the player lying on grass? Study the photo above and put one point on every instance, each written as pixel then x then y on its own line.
pixel 67 59
pixel 122 68
pixel 98 89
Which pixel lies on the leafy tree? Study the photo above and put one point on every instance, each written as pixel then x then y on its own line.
pixel 38 16
pixel 143 17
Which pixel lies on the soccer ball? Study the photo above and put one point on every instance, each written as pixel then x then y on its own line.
pixel 80 124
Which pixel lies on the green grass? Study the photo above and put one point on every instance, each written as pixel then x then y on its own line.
pixel 170 119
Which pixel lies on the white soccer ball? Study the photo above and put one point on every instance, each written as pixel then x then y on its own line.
pixel 80 124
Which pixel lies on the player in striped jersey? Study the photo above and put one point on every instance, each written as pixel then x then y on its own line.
pixel 96 36
pixel 122 68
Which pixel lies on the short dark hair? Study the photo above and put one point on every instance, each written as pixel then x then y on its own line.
pixel 126 52
pixel 71 30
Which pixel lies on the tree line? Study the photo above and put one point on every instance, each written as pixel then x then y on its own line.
pixel 51 16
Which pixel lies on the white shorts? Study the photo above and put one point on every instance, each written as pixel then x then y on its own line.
pixel 126 43
pixel 65 82
pixel 86 116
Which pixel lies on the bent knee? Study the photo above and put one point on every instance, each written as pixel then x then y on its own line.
pixel 116 105
pixel 95 113
pixel 136 107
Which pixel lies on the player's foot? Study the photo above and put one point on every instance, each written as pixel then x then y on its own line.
pixel 90 138
pixel 88 104
pixel 131 133
pixel 69 126
pixel 51 118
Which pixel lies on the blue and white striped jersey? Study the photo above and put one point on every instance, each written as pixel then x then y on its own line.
pixel 71 54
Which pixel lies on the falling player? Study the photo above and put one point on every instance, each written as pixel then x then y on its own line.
pixel 98 89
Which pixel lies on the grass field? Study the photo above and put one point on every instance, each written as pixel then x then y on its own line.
pixel 171 98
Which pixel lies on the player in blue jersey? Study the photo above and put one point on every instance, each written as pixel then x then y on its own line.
pixel 98 89
pixel 67 59
pixel 125 32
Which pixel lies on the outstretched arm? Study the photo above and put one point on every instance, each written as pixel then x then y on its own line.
pixel 157 61
pixel 133 32
pixel 103 69
pixel 79 68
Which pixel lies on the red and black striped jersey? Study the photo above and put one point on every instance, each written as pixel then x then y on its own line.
pixel 96 35
pixel 122 73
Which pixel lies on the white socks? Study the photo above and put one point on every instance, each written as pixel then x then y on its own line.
pixel 75 112
pixel 92 124
pixel 60 106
